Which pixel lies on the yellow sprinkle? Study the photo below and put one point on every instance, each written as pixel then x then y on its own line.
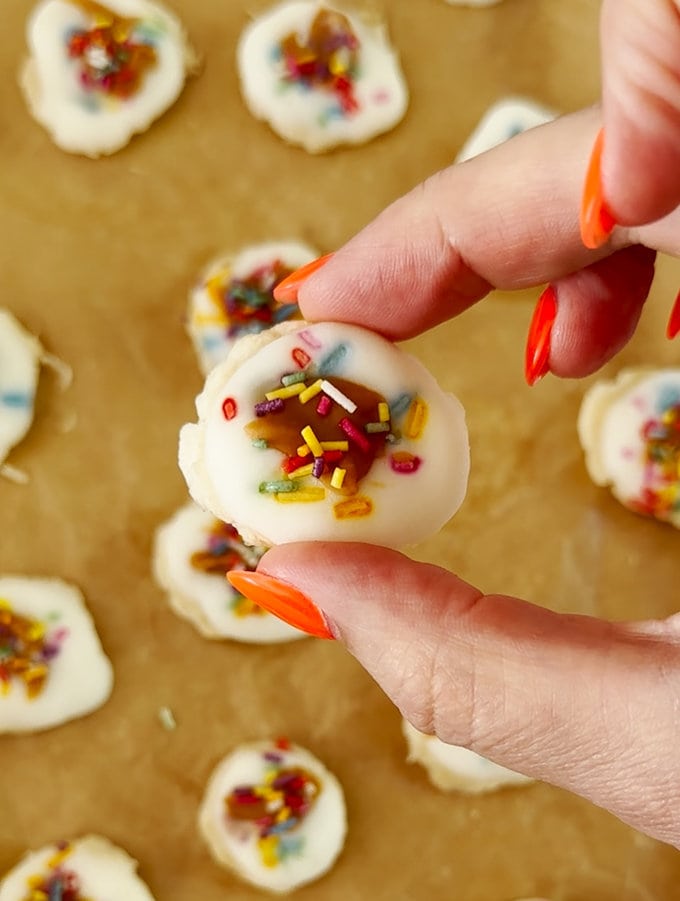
pixel 59 857
pixel 310 392
pixel 306 496
pixel 312 441
pixel 288 391
pixel 34 881
pixel 214 287
pixel 353 508
pixel 268 848
pixel 415 419
pixel 208 319
pixel 38 895
pixel 303 450
pixel 338 477
pixel 301 471
pixel 335 445
pixel 383 412
pixel 283 814
pixel 35 632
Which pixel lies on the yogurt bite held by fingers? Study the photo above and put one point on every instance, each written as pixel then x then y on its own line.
pixel 326 432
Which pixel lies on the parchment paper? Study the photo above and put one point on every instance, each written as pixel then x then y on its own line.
pixel 96 257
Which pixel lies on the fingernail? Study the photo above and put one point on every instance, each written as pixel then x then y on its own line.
pixel 538 340
pixel 287 290
pixel 673 326
pixel 282 600
pixel 597 223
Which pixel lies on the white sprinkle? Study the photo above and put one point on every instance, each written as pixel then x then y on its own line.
pixel 14 474
pixel 337 395
pixel 167 718
pixel 62 369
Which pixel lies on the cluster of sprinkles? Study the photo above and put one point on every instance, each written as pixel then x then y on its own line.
pixel 276 806
pixel 224 552
pixel 60 884
pixel 660 496
pixel 247 305
pixel 329 430
pixel 114 54
pixel 26 650
pixel 327 58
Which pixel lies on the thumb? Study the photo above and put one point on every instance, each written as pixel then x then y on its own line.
pixel 579 702
pixel 641 108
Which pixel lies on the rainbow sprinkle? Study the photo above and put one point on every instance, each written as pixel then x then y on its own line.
pixel 224 552
pixel 60 884
pixel 276 807
pixel 660 494
pixel 26 651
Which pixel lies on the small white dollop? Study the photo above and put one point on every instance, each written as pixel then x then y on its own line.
pixel 502 121
pixel 20 355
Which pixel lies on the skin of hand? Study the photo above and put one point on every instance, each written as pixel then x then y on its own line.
pixel 585 704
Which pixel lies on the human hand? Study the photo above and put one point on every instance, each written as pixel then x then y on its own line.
pixel 585 704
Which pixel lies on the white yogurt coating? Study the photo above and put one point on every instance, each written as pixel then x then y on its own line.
pixel 20 355
pixel 610 427
pixel 505 119
pixel 206 599
pixel 224 470
pixel 473 2
pixel 80 676
pixel 105 872
pixel 452 768
pixel 207 321
pixel 86 121
pixel 234 844
pixel 311 117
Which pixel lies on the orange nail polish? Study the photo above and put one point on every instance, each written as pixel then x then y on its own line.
pixel 674 319
pixel 282 600
pixel 538 341
pixel 597 223
pixel 287 290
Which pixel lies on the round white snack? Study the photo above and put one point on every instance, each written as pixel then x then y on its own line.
pixel 320 77
pixel 99 73
pixel 234 297
pixel 452 768
pixel 86 868
pixel 274 815
pixel 52 666
pixel 473 2
pixel 20 355
pixel 502 121
pixel 326 432
pixel 193 551
pixel 630 432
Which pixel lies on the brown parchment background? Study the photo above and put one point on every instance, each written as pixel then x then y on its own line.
pixel 96 258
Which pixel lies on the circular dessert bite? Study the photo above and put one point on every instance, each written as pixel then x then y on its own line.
pixel 20 355
pixel 52 666
pixel 326 432
pixel 193 552
pixel 320 77
pixel 452 768
pixel 234 297
pixel 630 432
pixel 99 73
pixel 274 815
pixel 85 869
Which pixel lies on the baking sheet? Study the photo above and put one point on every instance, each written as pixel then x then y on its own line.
pixel 96 257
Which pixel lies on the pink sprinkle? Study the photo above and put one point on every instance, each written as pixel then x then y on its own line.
pixel 404 462
pixel 355 435
pixel 323 408
pixel 381 96
pixel 309 339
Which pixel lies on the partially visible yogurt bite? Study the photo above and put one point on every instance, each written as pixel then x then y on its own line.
pixel 234 297
pixel 320 76
pixel 193 552
pixel 274 815
pixel 326 432
pixel 99 73
pixel 630 432
pixel 20 356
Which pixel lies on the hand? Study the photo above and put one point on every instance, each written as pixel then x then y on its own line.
pixel 585 704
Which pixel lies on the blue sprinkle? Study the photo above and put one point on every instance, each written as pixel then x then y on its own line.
pixel 515 130
pixel 400 405
pixel 290 845
pixel 330 364
pixel 16 399
pixel 669 396
pixel 284 312
pixel 210 342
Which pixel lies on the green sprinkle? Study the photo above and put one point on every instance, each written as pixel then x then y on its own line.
pixel 260 442
pixel 277 487
pixel 292 378
pixel 373 427
pixel 393 438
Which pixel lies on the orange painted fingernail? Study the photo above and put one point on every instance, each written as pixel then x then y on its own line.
pixel 538 340
pixel 597 223
pixel 287 290
pixel 282 600
pixel 673 326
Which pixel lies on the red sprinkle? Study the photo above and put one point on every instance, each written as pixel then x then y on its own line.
pixel 229 408
pixel 323 408
pixel 282 743
pixel 290 464
pixel 301 357
pixel 355 435
pixel 402 461
pixel 333 456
